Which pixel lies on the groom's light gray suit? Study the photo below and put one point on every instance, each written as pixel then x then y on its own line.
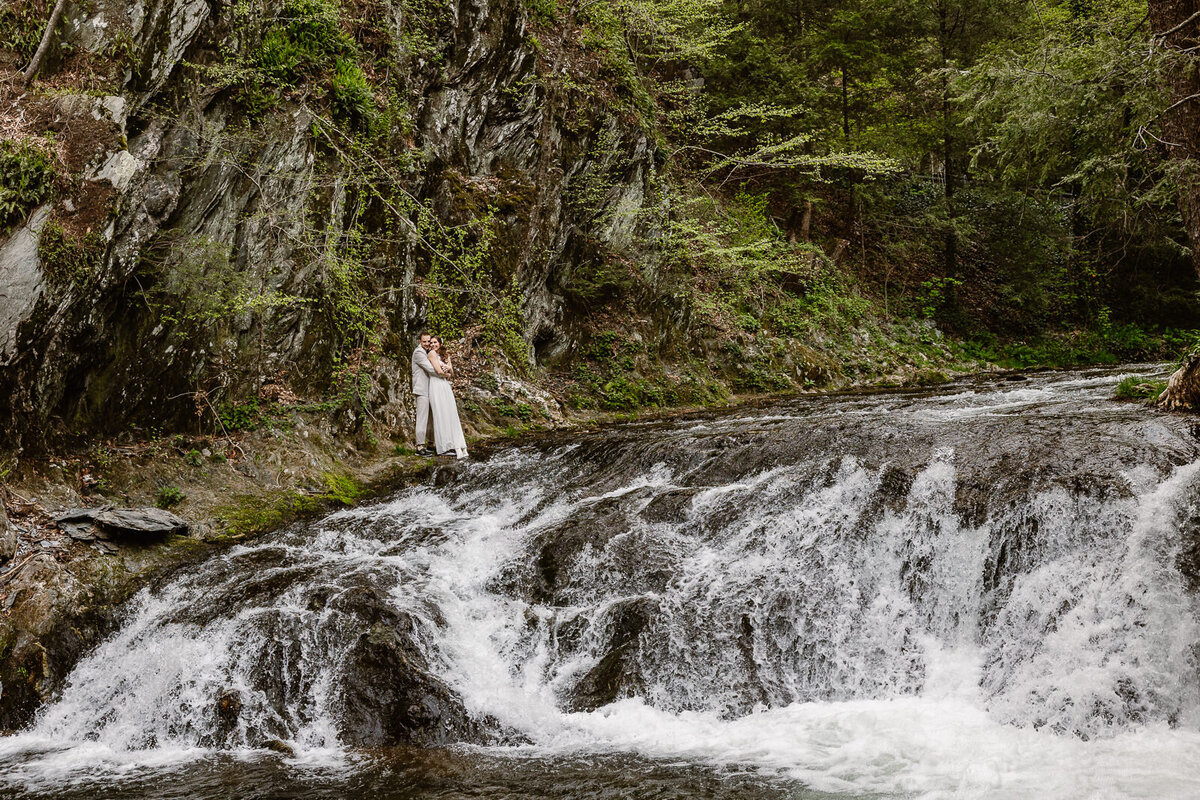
pixel 421 370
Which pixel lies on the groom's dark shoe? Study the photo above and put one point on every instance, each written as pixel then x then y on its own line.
pixel 426 451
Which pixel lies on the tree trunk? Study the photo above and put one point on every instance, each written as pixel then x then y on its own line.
pixel 1176 25
pixel 845 105
pixel 1183 389
pixel 951 245
pixel 39 56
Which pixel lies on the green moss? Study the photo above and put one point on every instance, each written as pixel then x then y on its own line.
pixel 342 488
pixel 930 377
pixel 252 514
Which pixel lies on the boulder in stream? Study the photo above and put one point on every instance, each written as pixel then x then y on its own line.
pixel 387 693
pixel 614 674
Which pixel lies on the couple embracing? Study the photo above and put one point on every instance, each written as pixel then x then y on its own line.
pixel 431 373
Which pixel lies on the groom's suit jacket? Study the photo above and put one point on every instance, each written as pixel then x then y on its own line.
pixel 421 370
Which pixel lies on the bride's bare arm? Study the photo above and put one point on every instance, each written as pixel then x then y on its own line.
pixel 439 367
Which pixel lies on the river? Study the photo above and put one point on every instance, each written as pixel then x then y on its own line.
pixel 965 592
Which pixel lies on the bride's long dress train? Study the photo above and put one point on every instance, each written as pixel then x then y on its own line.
pixel 447 429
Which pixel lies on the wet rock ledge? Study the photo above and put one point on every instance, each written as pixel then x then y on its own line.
pixel 70 558
pixel 62 584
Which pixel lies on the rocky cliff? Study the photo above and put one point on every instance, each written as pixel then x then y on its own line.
pixel 282 192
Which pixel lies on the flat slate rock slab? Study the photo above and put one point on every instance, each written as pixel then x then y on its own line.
pixel 100 522
pixel 81 515
pixel 151 521
pixel 145 520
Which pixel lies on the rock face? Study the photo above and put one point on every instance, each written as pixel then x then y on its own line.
pixel 181 200
pixel 21 275
pixel 1183 389
pixel 618 669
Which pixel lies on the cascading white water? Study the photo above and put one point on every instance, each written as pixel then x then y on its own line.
pixel 967 597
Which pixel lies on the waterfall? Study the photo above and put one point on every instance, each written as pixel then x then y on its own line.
pixel 966 594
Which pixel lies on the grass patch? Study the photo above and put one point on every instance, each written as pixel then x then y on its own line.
pixel 1136 388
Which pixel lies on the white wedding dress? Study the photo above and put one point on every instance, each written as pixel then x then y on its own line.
pixel 447 429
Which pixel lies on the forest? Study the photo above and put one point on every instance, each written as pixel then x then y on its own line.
pixel 1012 170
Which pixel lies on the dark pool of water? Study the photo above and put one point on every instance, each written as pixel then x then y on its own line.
pixel 411 774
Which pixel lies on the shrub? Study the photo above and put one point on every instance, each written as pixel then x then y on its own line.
pixel 280 58
pixel 241 416
pixel 26 177
pixel 67 259
pixel 351 97
pixel 169 496
pixel 308 36
pixel 21 26
pixel 542 12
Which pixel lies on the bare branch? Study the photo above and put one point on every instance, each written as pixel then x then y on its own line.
pixel 35 64
pixel 1178 27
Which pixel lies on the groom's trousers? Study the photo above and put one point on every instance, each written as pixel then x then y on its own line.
pixel 422 419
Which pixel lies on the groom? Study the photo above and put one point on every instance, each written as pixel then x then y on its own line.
pixel 421 370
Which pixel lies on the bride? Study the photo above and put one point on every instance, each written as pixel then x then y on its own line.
pixel 447 430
